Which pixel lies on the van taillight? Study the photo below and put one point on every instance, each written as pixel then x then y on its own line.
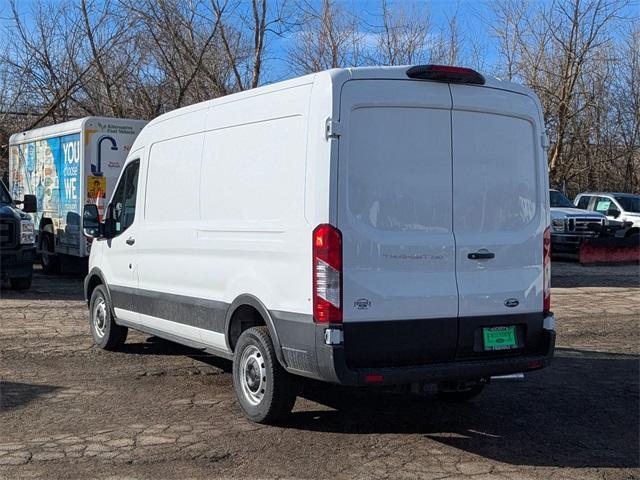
pixel 445 73
pixel 546 251
pixel 327 274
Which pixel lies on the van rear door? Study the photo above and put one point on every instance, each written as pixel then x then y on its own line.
pixel 498 214
pixel 400 299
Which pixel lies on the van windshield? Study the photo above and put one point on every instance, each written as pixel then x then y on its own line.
pixel 558 200
pixel 629 203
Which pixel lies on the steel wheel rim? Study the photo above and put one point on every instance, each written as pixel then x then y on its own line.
pixel 253 375
pixel 100 317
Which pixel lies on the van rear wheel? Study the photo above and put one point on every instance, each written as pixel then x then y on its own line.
pixel 265 391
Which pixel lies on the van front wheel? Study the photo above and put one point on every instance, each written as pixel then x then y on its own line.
pixel 107 334
pixel 265 391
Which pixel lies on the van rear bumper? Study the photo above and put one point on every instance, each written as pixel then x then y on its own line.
pixel 333 367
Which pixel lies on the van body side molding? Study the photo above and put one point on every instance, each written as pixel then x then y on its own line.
pixel 192 311
pixel 211 315
pixel 174 338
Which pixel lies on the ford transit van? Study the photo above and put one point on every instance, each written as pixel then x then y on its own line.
pixel 368 226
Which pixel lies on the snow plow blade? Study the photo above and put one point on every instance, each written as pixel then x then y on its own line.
pixel 610 250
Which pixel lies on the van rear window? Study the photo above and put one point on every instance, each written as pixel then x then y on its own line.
pixel 399 168
pixel 495 187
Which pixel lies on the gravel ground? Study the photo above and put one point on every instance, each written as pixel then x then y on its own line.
pixel 158 410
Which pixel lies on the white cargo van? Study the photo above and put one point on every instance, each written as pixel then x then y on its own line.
pixel 65 166
pixel 361 226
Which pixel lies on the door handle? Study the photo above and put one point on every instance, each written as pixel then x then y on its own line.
pixel 481 255
pixel 131 241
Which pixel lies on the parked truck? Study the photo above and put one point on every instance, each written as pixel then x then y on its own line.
pixel 17 238
pixel 571 225
pixel 65 166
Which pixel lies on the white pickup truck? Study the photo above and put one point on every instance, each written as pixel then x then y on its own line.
pixel 570 226
pixel 621 209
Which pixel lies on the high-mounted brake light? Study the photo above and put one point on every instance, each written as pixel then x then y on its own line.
pixel 327 274
pixel 446 73
pixel 546 253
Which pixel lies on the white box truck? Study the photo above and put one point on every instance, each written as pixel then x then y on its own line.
pixel 66 166
pixel 364 226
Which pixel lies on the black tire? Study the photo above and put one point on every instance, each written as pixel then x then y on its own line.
pixel 22 283
pixel 275 394
pixel 50 261
pixel 462 395
pixel 106 333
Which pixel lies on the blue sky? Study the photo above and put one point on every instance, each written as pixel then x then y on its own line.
pixel 474 16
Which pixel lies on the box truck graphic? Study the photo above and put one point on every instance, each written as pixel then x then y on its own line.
pixel 66 166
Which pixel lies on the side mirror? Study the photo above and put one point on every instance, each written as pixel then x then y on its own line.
pixel 91 221
pixel 29 204
pixel 613 212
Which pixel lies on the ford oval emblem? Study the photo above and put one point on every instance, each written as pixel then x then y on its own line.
pixel 511 302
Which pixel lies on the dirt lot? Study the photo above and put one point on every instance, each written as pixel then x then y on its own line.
pixel 157 410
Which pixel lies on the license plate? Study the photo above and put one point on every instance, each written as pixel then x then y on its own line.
pixel 499 338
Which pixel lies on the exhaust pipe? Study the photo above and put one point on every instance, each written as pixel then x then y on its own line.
pixel 512 376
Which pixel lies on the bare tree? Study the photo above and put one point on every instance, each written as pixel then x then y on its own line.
pixel 330 37
pixel 578 30
pixel 562 51
pixel 181 49
pixel 103 36
pixel 245 31
pixel 403 37
pixel 626 106
pixel 46 54
pixel 507 28
pixel 448 48
pixel 140 58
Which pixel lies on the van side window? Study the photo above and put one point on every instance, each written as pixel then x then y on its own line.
pixel 583 203
pixel 124 199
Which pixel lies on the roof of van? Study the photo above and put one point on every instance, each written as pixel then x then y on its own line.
pixel 63 128
pixel 359 73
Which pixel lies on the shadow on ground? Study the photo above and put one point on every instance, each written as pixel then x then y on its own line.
pixel 14 395
pixel 66 286
pixel 580 412
pixel 159 346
